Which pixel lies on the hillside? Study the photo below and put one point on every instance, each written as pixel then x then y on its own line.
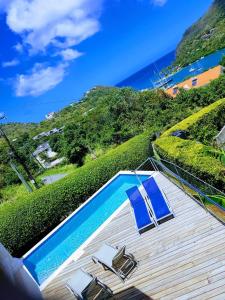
pixel 118 115
pixel 105 118
pixel 13 130
pixel 72 113
pixel 204 37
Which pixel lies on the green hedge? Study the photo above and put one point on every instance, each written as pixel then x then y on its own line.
pixel 190 154
pixel 26 220
pixel 205 129
pixel 190 121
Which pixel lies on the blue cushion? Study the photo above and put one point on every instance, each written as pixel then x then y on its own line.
pixel 157 199
pixel 141 213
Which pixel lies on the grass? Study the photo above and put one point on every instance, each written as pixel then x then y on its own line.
pixel 13 192
pixel 98 152
pixel 65 169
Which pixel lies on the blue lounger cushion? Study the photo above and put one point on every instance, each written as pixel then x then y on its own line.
pixel 157 199
pixel 141 214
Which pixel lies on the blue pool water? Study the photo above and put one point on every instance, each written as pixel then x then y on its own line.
pixel 145 78
pixel 50 254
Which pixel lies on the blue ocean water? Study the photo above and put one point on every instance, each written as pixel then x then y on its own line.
pixel 52 253
pixel 145 78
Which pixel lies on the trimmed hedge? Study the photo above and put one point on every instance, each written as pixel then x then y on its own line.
pixel 190 121
pixel 28 219
pixel 205 129
pixel 192 155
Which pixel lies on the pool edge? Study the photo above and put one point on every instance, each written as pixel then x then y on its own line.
pixel 77 253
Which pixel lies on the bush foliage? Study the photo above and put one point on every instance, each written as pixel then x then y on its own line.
pixel 26 220
pixel 118 115
pixel 193 155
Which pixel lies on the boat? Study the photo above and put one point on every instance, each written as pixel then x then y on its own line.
pixel 163 82
pixel 192 70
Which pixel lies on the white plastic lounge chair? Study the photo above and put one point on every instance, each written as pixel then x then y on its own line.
pixel 116 260
pixel 85 286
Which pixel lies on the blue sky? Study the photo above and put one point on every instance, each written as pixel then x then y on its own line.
pixel 53 51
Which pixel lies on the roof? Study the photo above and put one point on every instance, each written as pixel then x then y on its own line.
pixel 202 80
pixel 41 148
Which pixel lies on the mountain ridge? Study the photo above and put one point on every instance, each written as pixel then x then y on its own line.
pixel 204 36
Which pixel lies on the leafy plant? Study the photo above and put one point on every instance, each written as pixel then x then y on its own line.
pixel 217 153
pixel 222 62
pixel 193 155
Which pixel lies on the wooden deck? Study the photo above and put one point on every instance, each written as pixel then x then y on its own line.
pixel 183 259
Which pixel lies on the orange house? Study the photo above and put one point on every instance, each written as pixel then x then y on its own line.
pixel 197 81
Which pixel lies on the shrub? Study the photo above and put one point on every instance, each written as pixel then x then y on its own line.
pixel 192 155
pixel 207 127
pixel 28 219
pixel 197 117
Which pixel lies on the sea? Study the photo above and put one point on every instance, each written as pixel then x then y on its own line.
pixel 150 76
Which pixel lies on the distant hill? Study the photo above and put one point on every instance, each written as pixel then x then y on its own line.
pixel 204 37
pixel 63 117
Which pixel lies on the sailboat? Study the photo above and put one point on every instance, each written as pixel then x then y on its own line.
pixel 163 80
pixel 192 70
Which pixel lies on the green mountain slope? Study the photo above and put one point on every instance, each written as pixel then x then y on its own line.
pixel 204 37
pixel 104 118
pixel 13 130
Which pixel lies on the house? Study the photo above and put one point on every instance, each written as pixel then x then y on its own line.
pixel 50 115
pixel 48 133
pixel 45 156
pixel 197 81
pixel 40 135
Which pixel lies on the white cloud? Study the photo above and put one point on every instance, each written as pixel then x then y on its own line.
pixel 52 27
pixel 40 80
pixel 70 54
pixel 60 23
pixel 19 47
pixel 10 63
pixel 159 2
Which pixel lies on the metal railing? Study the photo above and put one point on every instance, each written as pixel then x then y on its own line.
pixel 209 197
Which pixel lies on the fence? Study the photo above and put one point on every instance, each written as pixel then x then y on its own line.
pixel 212 199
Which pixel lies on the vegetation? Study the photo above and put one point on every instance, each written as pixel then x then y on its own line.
pixel 191 154
pixel 204 37
pixel 207 127
pixel 31 217
pixel 222 62
pixel 104 119
pixel 13 192
pixel 25 146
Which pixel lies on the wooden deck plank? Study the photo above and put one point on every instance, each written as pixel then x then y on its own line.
pixel 182 259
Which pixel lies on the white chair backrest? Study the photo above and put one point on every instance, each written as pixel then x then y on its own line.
pixel 79 281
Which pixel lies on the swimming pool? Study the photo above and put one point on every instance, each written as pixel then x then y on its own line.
pixel 50 254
